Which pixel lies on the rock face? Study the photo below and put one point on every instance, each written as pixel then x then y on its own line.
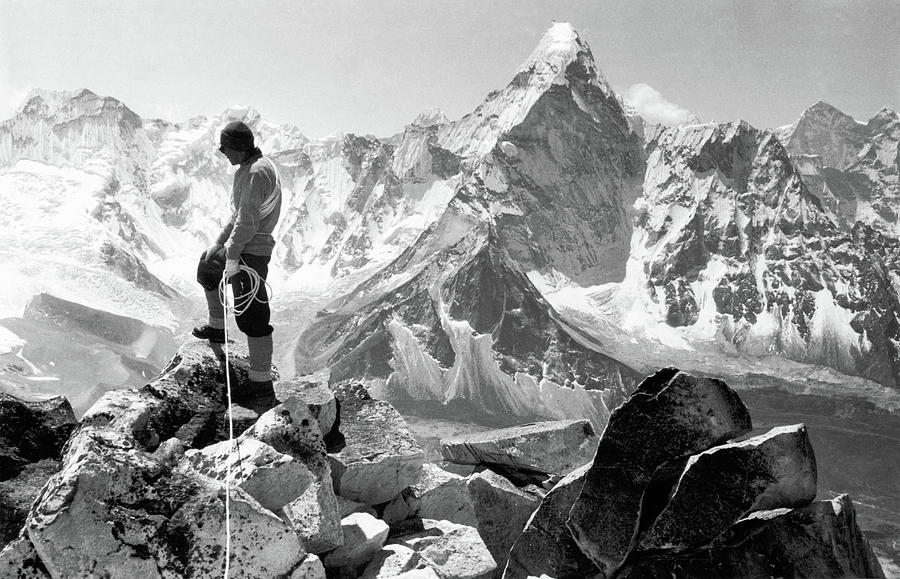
pixel 31 430
pixel 19 560
pixel 849 165
pixel 732 242
pixel 671 414
pixel 557 447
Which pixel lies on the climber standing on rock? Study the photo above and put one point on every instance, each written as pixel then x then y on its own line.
pixel 245 240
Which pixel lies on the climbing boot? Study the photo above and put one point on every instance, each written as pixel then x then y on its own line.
pixel 206 332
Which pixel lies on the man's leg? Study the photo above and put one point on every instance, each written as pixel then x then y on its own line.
pixel 254 321
pixel 209 274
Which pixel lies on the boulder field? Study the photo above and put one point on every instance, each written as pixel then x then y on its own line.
pixel 326 481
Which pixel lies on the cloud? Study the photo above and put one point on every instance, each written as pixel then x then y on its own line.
pixel 654 108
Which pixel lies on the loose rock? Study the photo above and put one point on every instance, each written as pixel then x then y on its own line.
pixel 502 511
pixel 380 457
pixel 272 478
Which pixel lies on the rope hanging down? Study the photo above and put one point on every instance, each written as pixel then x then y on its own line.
pixel 248 297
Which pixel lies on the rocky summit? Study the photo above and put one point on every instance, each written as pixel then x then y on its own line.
pixel 149 485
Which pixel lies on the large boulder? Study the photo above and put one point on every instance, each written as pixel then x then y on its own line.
pixel 554 447
pixel 545 546
pixel 380 457
pixel 723 484
pixel 272 478
pixel 318 397
pixel 114 510
pixel 671 414
pixel 316 517
pixel 454 551
pixel 502 511
pixel 291 429
pixel 819 540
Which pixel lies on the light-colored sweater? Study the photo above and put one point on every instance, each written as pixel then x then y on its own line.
pixel 256 187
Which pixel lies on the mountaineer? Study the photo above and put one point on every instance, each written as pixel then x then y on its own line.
pixel 241 255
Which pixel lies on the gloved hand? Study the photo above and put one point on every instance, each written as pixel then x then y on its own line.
pixel 232 268
pixel 211 251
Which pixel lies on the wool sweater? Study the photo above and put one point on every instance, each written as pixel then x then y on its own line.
pixel 256 186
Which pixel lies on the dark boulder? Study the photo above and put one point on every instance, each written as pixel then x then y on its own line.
pixel 670 415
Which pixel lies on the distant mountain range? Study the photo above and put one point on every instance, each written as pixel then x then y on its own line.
pixel 457 262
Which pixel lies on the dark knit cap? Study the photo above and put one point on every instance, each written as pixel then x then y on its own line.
pixel 237 135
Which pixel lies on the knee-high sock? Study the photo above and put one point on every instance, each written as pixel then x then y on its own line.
pixel 216 309
pixel 260 358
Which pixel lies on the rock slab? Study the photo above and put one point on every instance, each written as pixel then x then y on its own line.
pixel 819 540
pixel 727 482
pixel 553 447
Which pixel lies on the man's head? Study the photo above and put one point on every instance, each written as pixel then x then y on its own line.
pixel 236 140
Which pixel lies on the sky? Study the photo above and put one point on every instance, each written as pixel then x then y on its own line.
pixel 372 66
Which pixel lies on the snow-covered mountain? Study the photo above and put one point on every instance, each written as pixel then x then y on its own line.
pixel 541 176
pixel 730 244
pixel 851 166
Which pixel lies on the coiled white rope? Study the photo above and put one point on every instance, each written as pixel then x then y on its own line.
pixel 248 298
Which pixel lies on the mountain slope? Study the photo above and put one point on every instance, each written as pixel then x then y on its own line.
pixel 851 166
pixel 730 240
